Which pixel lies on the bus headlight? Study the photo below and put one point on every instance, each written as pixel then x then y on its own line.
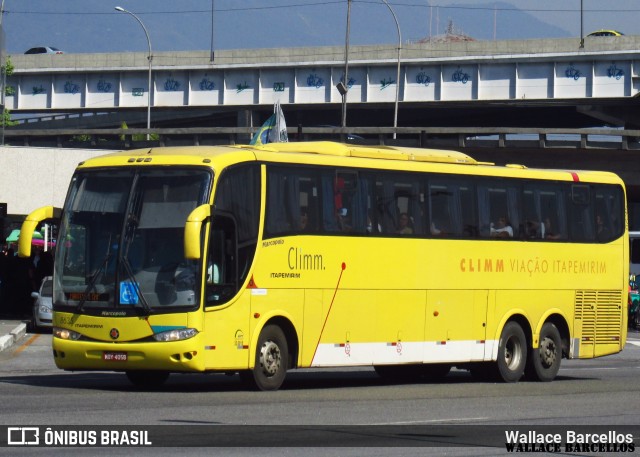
pixel 176 334
pixel 65 334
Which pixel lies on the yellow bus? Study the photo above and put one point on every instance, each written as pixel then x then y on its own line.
pixel 260 259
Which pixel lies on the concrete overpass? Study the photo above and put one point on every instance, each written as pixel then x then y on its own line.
pixel 531 83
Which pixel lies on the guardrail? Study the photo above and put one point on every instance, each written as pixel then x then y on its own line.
pixel 456 137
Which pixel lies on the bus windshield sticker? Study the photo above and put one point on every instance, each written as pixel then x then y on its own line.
pixel 128 293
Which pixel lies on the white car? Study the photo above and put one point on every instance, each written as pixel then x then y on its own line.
pixel 42 305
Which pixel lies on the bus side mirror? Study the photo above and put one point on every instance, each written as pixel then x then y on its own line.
pixel 29 225
pixel 192 231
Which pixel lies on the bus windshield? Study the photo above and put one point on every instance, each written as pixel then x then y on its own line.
pixel 121 241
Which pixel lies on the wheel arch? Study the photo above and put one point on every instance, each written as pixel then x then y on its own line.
pixel 524 324
pixel 557 319
pixel 290 334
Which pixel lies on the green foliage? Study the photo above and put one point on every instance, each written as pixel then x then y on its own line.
pixel 5 119
pixel 138 136
pixel 8 67
pixel 81 138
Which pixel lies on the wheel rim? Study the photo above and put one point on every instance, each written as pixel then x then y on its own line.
pixel 270 358
pixel 512 353
pixel 548 352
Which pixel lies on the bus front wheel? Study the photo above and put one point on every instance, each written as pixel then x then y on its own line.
pixel 544 362
pixel 512 353
pixel 272 358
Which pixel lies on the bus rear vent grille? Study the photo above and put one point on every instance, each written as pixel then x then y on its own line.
pixel 600 313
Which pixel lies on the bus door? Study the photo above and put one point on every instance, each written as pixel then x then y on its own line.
pixel 232 245
pixel 226 311
pixel 456 325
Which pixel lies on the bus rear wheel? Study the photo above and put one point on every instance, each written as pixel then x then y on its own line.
pixel 272 359
pixel 544 362
pixel 512 353
pixel 147 379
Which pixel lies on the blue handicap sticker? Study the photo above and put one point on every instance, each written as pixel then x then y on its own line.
pixel 128 293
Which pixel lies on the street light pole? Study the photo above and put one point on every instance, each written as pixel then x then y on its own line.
pixel 395 109
pixel 149 58
pixel 213 7
pixel 343 86
pixel 581 24
pixel 4 80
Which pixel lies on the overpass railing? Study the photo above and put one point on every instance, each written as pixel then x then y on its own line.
pixel 435 137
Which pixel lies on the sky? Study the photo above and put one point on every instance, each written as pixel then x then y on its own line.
pixel 86 26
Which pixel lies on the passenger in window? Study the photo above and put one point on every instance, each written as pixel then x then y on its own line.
pixel 534 229
pixel 343 220
pixel 371 228
pixel 304 221
pixel 502 228
pixel 437 228
pixel 542 230
pixel 549 232
pixel 602 232
pixel 404 227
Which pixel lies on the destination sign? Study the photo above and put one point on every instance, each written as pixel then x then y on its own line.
pixel 91 296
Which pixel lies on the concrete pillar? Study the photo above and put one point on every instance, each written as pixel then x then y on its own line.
pixel 246 118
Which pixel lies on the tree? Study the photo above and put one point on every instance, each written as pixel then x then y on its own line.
pixel 7 70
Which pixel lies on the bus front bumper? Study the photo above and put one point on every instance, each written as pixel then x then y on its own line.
pixel 178 356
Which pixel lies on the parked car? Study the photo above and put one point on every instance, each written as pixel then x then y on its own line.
pixel 44 50
pixel 42 305
pixel 606 33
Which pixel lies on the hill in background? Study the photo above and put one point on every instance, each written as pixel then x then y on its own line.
pixel 84 26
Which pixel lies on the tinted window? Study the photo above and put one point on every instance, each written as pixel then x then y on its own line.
pixel 365 202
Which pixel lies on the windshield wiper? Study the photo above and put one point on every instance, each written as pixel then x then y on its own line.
pixel 132 278
pixel 127 238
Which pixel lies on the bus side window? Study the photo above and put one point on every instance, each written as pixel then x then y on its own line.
pixel 439 210
pixel 345 202
pixel 498 206
pixel 581 214
pixel 309 201
pixel 609 213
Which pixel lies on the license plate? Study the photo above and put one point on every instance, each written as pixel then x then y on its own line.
pixel 114 356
